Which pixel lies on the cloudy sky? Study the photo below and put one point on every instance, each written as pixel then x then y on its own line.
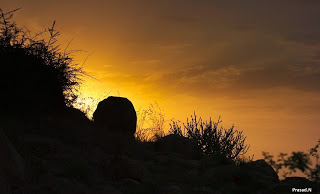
pixel 255 63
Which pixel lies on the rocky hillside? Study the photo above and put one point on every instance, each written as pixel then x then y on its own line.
pixel 59 154
pixel 46 147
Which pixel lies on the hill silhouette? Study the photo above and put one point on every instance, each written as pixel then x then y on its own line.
pixel 36 77
pixel 48 146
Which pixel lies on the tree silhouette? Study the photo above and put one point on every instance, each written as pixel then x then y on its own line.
pixel 35 75
pixel 296 161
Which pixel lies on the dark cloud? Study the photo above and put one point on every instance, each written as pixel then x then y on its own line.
pixel 200 46
pixel 254 62
pixel 181 19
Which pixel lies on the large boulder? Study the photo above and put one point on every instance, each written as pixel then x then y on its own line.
pixel 115 114
pixel 263 170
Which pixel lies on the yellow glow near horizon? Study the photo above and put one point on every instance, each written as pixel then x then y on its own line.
pixel 208 57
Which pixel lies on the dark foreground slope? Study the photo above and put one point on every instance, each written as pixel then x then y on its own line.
pixel 48 147
pixel 71 161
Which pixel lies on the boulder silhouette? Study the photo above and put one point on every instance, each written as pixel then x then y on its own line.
pixel 116 114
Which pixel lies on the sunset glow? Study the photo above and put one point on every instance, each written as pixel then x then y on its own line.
pixel 257 70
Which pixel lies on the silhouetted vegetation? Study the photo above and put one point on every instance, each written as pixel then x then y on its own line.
pixel 86 105
pixel 150 123
pixel 301 161
pixel 34 70
pixel 66 153
pixel 228 143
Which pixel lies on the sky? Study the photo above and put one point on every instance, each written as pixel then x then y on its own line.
pixel 254 63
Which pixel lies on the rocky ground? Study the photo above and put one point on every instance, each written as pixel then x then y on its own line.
pixel 66 158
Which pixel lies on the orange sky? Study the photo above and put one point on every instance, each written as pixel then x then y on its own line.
pixel 255 63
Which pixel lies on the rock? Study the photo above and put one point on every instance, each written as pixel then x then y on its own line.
pixel 105 189
pixel 74 127
pixel 161 159
pixel 70 126
pixel 204 189
pixel 251 178
pixel 122 168
pixel 64 185
pixel 4 187
pixel 129 181
pixel 97 158
pixel 264 170
pixel 172 189
pixel 298 181
pixel 40 145
pixel 53 185
pixel 72 166
pixel 221 174
pixel 116 114
pixel 188 148
pixel 11 164
pixel 192 173
pixel 190 164
pixel 115 122
pixel 288 183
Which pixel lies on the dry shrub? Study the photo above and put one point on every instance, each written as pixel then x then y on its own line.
pixel 150 123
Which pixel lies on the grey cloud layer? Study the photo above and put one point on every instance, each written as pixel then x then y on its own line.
pixel 196 45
